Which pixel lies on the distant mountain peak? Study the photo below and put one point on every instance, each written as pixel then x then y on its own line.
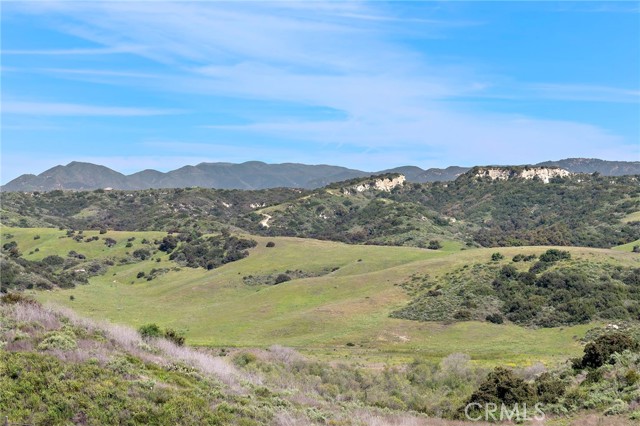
pixel 78 175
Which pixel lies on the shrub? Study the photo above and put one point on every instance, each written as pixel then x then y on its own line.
pixel 142 254
pixel 174 336
pixel 495 318
pixel 271 244
pixel 150 330
pixel 554 255
pixel 434 245
pixel 497 256
pixel 632 377
pixel 63 340
pixel 13 298
pixel 462 315
pixel 140 274
pixel 503 386
pixel 598 352
pixel 244 358
pixel 53 260
pixel 168 244
pixel 549 388
pixel 281 278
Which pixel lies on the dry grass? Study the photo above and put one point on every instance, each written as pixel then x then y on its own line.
pixel 600 420
pixel 117 339
pixel 33 313
pixel 35 319
pixel 285 418
pixel 161 351
pixel 372 417
pixel 202 361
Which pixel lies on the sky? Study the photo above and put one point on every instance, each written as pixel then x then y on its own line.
pixel 367 85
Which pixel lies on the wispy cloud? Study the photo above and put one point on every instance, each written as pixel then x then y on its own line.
pixel 468 138
pixel 586 93
pixel 85 51
pixel 333 55
pixel 624 6
pixel 68 109
pixel 94 72
pixel 563 92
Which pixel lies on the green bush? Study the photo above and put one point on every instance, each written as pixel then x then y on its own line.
pixel 16 297
pixel 174 336
pixel 555 255
pixel 281 278
pixel 434 245
pixel 53 260
pixel 462 315
pixel 503 386
pixel 495 318
pixel 150 330
pixel 63 340
pixel 244 358
pixel 598 352
pixel 168 244
pixel 549 388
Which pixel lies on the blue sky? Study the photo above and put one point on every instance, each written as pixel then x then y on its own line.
pixel 369 85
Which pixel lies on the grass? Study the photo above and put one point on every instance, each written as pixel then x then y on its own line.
pixel 53 241
pixel 319 315
pixel 628 246
pixel 632 217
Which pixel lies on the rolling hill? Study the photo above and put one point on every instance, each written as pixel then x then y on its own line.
pixel 258 175
pixel 578 210
pixel 337 294
pixel 396 315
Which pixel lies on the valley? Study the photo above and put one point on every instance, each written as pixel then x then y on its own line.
pixel 316 315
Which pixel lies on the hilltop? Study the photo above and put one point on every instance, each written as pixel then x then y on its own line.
pixel 258 175
pixel 579 210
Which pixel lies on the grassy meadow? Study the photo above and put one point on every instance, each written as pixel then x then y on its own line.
pixel 341 312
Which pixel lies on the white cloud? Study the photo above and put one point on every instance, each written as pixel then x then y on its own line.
pixel 335 55
pixel 69 109
pixel 480 139
pixel 68 52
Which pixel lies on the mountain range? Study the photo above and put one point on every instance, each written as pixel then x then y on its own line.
pixel 258 175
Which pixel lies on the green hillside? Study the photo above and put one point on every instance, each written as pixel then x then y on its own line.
pixel 581 210
pixel 342 307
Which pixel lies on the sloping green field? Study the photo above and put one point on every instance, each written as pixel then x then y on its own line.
pixel 628 246
pixel 341 314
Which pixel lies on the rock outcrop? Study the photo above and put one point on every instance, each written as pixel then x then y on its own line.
pixel 380 184
pixel 545 174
